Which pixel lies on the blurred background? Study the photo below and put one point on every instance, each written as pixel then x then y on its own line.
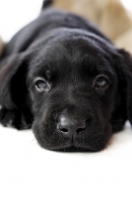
pixel 113 17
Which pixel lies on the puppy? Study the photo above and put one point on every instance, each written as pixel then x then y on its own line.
pixel 61 76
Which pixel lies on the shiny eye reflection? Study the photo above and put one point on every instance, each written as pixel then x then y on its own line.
pixel 41 85
pixel 101 81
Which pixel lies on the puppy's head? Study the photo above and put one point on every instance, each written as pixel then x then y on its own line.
pixel 78 90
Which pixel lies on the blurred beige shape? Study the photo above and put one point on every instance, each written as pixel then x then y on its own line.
pixel 109 15
pixel 114 19
pixel 125 41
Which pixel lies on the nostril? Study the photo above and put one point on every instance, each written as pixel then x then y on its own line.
pixel 80 130
pixel 64 130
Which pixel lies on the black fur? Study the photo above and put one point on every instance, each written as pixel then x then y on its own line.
pixel 69 53
pixel 47 3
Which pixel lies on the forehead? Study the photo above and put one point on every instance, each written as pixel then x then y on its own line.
pixel 70 56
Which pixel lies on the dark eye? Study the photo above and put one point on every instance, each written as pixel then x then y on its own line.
pixel 41 85
pixel 101 81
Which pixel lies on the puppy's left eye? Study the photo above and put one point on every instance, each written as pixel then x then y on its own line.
pixel 41 85
pixel 101 81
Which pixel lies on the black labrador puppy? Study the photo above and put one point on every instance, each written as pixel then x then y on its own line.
pixel 61 76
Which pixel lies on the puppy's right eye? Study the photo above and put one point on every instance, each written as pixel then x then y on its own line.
pixel 41 85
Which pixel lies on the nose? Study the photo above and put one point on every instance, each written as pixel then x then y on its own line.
pixel 71 127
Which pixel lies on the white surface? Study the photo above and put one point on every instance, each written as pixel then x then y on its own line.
pixel 28 172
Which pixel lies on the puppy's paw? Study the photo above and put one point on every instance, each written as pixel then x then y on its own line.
pixel 7 117
pixel 13 118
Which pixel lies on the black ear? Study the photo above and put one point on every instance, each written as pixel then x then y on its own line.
pixel 124 71
pixel 13 92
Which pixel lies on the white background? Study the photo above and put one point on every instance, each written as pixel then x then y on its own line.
pixel 29 172
pixel 15 13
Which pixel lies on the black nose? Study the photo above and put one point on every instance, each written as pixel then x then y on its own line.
pixel 71 127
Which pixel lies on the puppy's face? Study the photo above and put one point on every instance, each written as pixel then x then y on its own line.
pixel 73 92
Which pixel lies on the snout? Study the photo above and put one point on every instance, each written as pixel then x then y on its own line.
pixel 71 128
pixel 80 126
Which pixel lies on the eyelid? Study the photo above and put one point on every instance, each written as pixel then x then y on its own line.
pixel 102 75
pixel 39 78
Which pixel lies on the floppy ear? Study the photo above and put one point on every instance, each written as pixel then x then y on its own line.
pixel 13 91
pixel 124 71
